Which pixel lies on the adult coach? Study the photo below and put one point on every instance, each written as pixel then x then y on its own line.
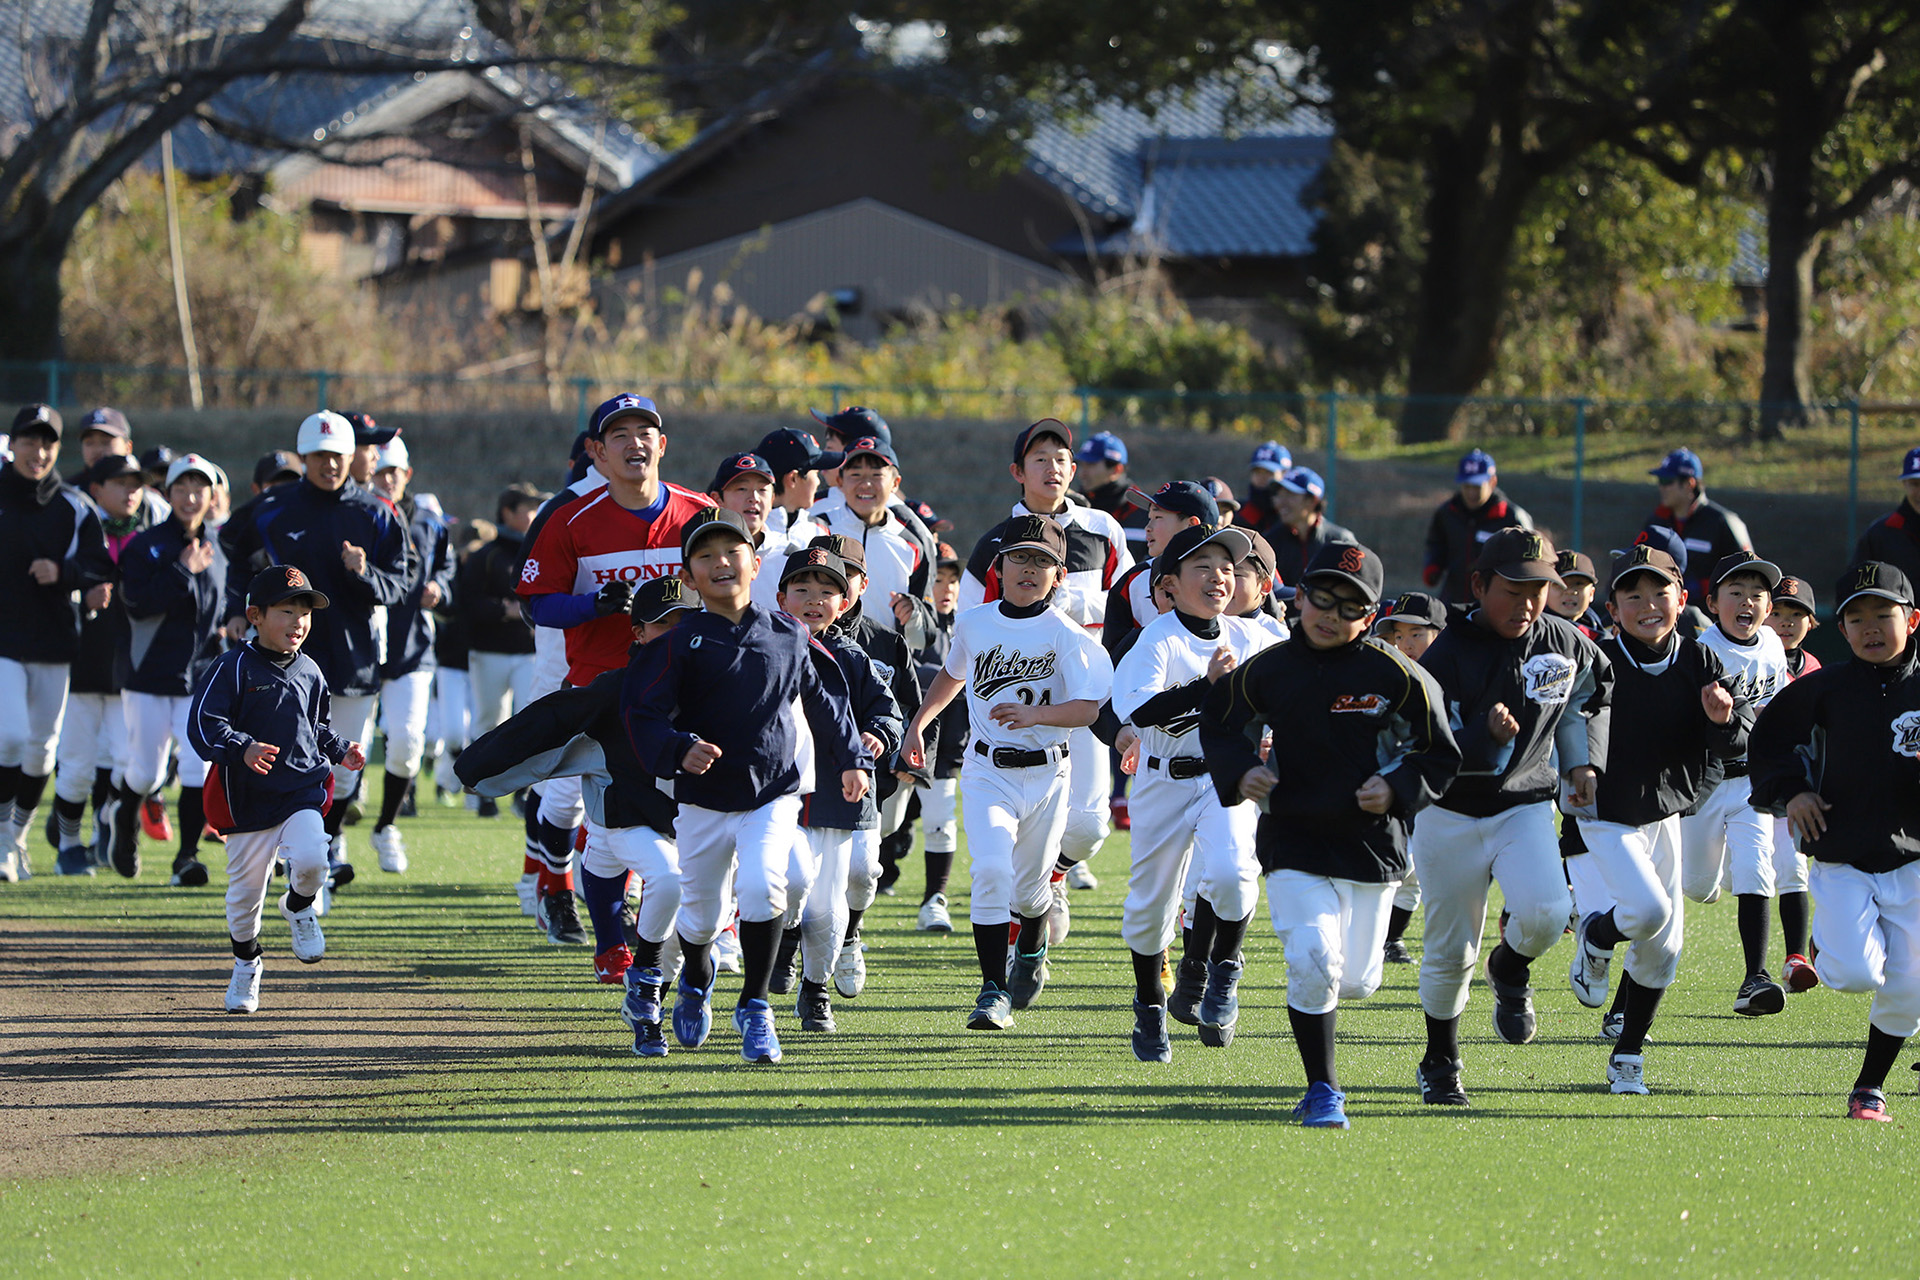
pixel 1476 511
pixel 1300 500
pixel 499 641
pixel 1708 530
pixel 1895 537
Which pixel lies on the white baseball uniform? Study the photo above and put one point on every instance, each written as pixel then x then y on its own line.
pixel 1724 841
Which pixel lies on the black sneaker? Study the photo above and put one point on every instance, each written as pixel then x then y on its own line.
pixel 189 872
pixel 993 1011
pixel 1440 1084
pixel 1027 977
pixel 563 919
pixel 339 875
pixel 815 1008
pixel 488 807
pixel 1760 995
pixel 75 860
pixel 786 966
pixel 1513 1017
pixel 1189 984
pixel 1396 952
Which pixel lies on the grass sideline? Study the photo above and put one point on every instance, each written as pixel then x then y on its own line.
pixel 906 1144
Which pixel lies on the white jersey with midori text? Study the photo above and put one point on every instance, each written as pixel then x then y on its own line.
pixel 1168 656
pixel 1756 670
pixel 1046 659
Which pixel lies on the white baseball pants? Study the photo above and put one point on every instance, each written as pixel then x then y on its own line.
pixel 352 719
pixel 502 686
pixel 1867 928
pixel 614 851
pixel 449 722
pixel 1182 834
pixel 1015 819
pixel 93 736
pixel 561 804
pixel 156 728
pixel 1334 933
pixel 1789 864
pixel 823 922
pixel 1635 873
pixel 1089 795
pixel 939 807
pixel 301 840
pixel 863 871
pixel 1725 842
pixel 1407 896
pixel 403 718
pixel 33 700
pixel 751 848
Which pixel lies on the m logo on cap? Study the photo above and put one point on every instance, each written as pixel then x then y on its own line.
pixel 669 590
pixel 1906 734
pixel 1351 559
pixel 1640 554
pixel 1534 547
pixel 1866 577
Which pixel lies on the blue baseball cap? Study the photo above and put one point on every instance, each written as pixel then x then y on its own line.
pixel 854 422
pixel 1475 467
pixel 1271 456
pixel 1303 480
pixel 1680 463
pixel 1910 469
pixel 1661 538
pixel 624 405
pixel 790 449
pixel 878 446
pixel 1183 497
pixel 735 465
pixel 1102 446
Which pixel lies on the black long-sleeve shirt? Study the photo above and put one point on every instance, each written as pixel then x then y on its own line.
pixel 46 521
pixel 1661 736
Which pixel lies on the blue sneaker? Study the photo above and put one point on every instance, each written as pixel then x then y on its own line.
pixel 1189 984
pixel 1220 1003
pixel 75 860
pixel 993 1011
pixel 693 1012
pixel 1324 1107
pixel 758 1041
pixel 1027 977
pixel 642 1001
pixel 648 1040
pixel 1150 1040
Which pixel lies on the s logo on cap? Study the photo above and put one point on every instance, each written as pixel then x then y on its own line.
pixel 1351 559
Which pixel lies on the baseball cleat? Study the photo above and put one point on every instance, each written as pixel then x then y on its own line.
pixel 1080 876
pixel 309 944
pixel 693 1012
pixel 1513 1018
pixel 75 860
pixel 1626 1074
pixel 611 965
pixel 563 919
pixel 1059 914
pixel 188 872
pixel 1612 1024
pixel 1183 998
pixel 1588 971
pixel 1220 1003
pixel 642 1001
pixel 759 1043
pixel 1323 1107
pixel 1800 975
pixel 814 1008
pixel 1395 952
pixel 1867 1104
pixel 153 820
pixel 391 847
pixel 1440 1084
pixel 726 951
pixel 528 889
pixel 1760 995
pixel 1150 1040
pixel 934 917
pixel 993 1011
pixel 786 963
pixel 339 873
pixel 1027 978
pixel 124 853
pixel 850 971
pixel 243 992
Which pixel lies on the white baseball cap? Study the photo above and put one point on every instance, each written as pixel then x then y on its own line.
pixel 198 465
pixel 392 454
pixel 325 432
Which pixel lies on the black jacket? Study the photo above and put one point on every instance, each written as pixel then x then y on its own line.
pixel 1554 681
pixel 894 663
pixel 410 628
pixel 251 695
pixel 1895 539
pixel 1710 533
pixel 875 712
pixel 1292 552
pixel 1338 716
pixel 1454 536
pixel 1663 739
pixel 47 521
pixel 175 614
pixel 947 744
pixel 1851 733
pixel 484 596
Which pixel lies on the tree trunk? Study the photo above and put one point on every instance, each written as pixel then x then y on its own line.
pixel 1793 232
pixel 29 314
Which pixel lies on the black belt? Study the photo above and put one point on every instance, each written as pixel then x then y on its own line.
pixel 1734 769
pixel 1015 758
pixel 1180 766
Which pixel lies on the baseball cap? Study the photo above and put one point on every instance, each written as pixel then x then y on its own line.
pixel 1348 562
pixel 1575 564
pixel 1664 539
pixel 112 466
pixel 193 463
pixel 279 582
pixel 1644 556
pixel 1475 467
pixel 928 516
pixel 850 550
pixel 366 431
pixel 1303 480
pixel 815 560
pixel 1234 541
pixel 1044 427
pixel 1746 562
pixel 624 405
pixel 735 465
pixel 1680 462
pixel 1518 555
pixel 393 454
pixel 1872 578
pixel 276 464
pixel 158 458
pixel 325 432
pixel 853 422
pixel 655 598
pixel 1795 591
pixel 877 446
pixel 1416 607
pixel 111 421
pixel 1222 494
pixel 1271 456
pixel 1102 446
pixel 713 520
pixel 1182 497
pixel 1910 468
pixel 37 420
pixel 1033 533
pixel 790 449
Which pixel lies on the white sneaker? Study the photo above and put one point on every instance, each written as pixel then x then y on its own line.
pixel 528 888
pixel 1059 915
pixel 1588 971
pixel 309 944
pixel 243 992
pixel 1624 1073
pixel 10 865
pixel 391 848
pixel 323 901
pixel 726 951
pixel 933 915
pixel 1080 876
pixel 850 971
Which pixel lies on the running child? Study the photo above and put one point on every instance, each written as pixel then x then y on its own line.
pixel 1792 619
pixel 1414 624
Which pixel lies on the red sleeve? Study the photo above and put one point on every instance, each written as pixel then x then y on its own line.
pixel 552 565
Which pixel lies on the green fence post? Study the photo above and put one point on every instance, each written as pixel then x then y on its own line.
pixel 580 388
pixel 837 389
pixel 320 388
pixel 1333 447
pixel 1853 474
pixel 53 382
pixel 1579 469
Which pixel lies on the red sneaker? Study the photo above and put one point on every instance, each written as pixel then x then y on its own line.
pixel 611 965
pixel 1868 1104
pixel 153 819
pixel 1122 820
pixel 208 833
pixel 1800 975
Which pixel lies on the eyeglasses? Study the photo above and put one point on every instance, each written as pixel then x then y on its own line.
pixel 1025 558
pixel 1349 610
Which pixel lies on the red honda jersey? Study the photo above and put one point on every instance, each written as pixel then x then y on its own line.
pixel 594 541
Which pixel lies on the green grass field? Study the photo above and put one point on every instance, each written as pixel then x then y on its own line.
pixel 513 1132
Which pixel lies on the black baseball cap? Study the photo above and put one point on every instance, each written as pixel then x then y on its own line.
pixel 790 449
pixel 1575 564
pixel 624 405
pixel 815 560
pixel 1233 540
pixel 1418 608
pixel 1519 555
pixel 274 465
pixel 1872 578
pixel 735 465
pixel 1644 557
pixel 1222 494
pixel 366 431
pixel 710 520
pixel 853 422
pixel 1182 497
pixel 37 420
pixel 1033 533
pixel 877 446
pixel 1795 591
pixel 112 466
pixel 111 421
pixel 655 598
pixel 279 582
pixel 1044 427
pixel 850 550
pixel 1348 562
pixel 158 458
pixel 1746 562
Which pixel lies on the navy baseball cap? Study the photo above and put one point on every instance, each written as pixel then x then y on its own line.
pixel 1234 541
pixel 928 516
pixel 37 420
pixel 1418 608
pixel 1271 456
pixel 1182 497
pixel 111 421
pixel 655 598
pixel 877 446
pixel 274 466
pixel 1681 463
pixel 158 458
pixel 624 405
pixel 278 582
pixel 735 465
pixel 1661 538
pixel 853 423
pixel 366 431
pixel 1102 446
pixel 112 466
pixel 790 449
pixel 1045 427
pixel 1795 591
pixel 1348 562
pixel 1222 495
pixel 1475 467
pixel 713 520
pixel 1304 480
pixel 815 560
pixel 1910 469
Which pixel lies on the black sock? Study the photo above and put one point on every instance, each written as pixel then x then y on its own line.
pixel 193 816
pixel 298 901
pixel 1197 937
pixel 1642 1004
pixel 27 797
pixel 392 796
pixel 1313 1033
pixel 1753 930
pixel 1397 921
pixel 1604 934
pixel 853 924
pixel 1033 935
pixel 126 820
pixel 1063 864
pixel 10 775
pixel 990 946
pixel 1619 1005
pixel 1227 937
pixel 68 814
pixel 1509 966
pixel 1146 979
pixel 530 823
pixel 1882 1050
pixel 1793 922
pixel 556 848
pixel 102 790
pixel 1443 1041
pixel 646 955
pixel 758 941
pixel 939 871
pixel 697 971
pixel 336 815
pixel 248 950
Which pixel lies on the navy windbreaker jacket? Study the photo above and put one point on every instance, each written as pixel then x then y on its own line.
pixel 176 615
